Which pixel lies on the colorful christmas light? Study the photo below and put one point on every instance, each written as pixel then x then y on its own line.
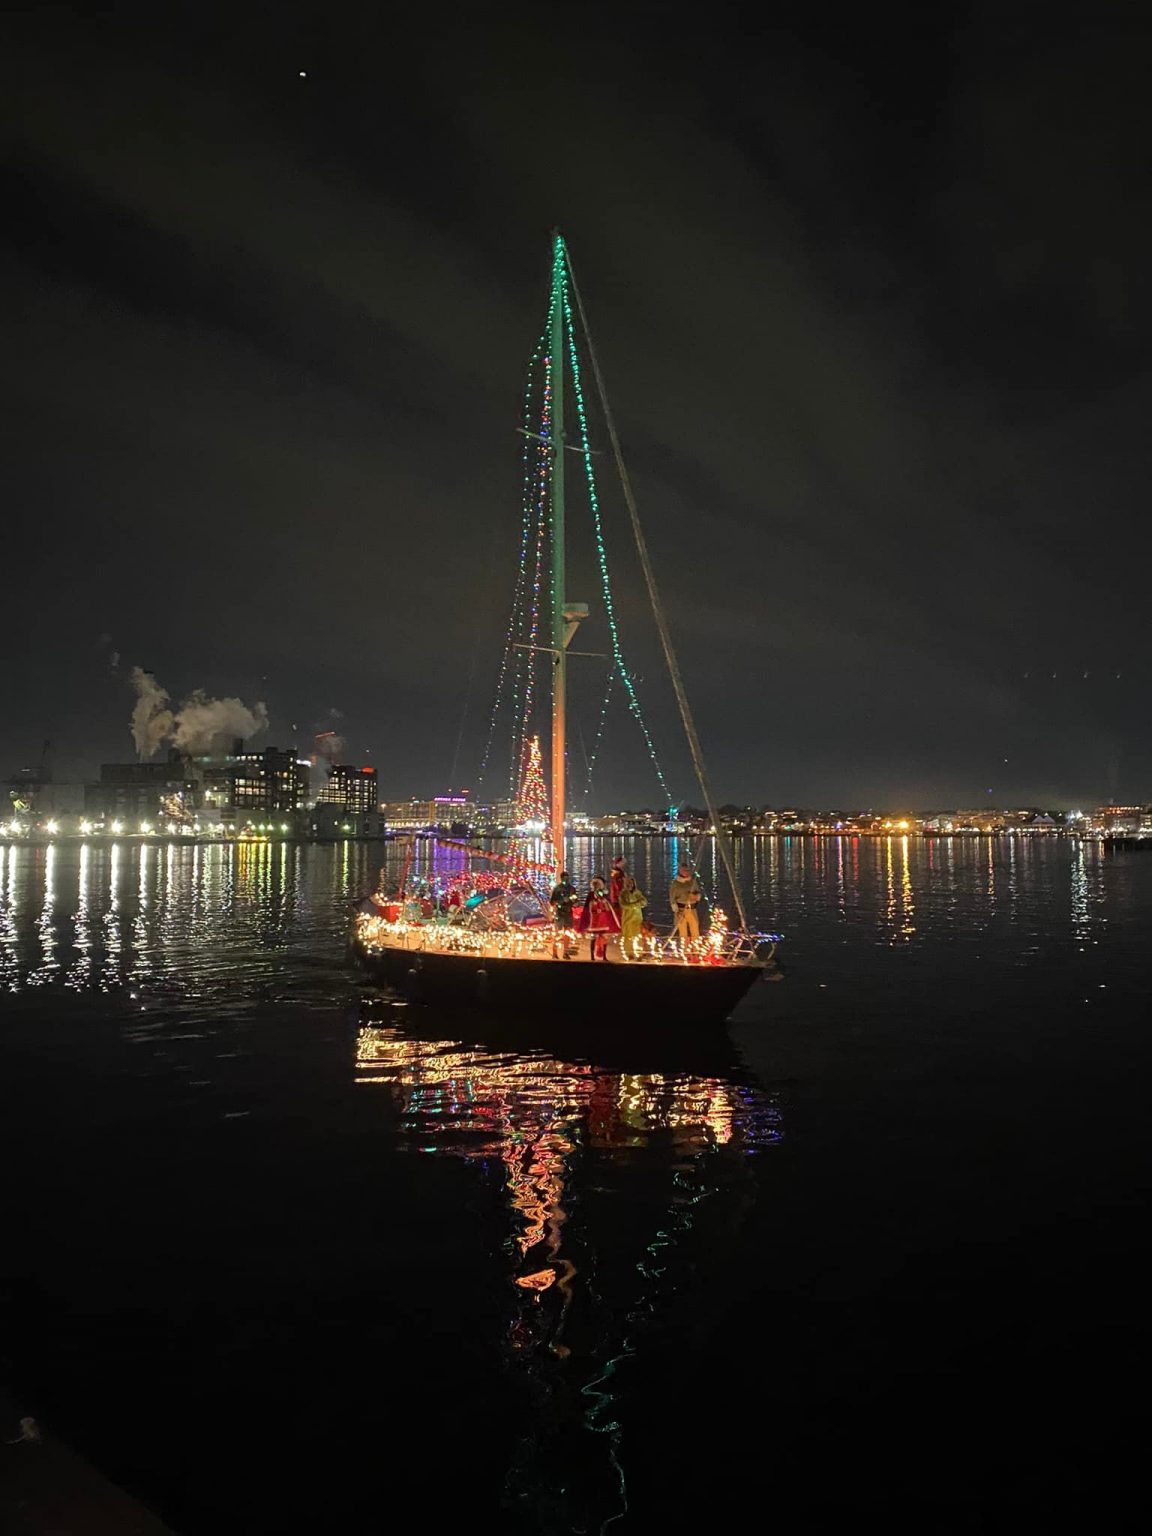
pixel 545 943
pixel 516 683
pixel 590 764
pixel 515 661
pixel 601 549
pixel 532 800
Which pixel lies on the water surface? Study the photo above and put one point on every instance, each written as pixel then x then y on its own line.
pixel 283 1254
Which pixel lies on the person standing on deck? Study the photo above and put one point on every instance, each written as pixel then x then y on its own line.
pixel 562 900
pixel 632 904
pixel 616 881
pixel 598 920
pixel 684 896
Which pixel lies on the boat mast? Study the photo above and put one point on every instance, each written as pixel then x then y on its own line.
pixel 659 615
pixel 559 627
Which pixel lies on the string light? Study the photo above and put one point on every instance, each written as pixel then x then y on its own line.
pixel 532 635
pixel 601 551
pixel 517 674
pixel 524 660
pixel 512 661
pixel 546 943
pixel 598 527
pixel 590 765
pixel 533 797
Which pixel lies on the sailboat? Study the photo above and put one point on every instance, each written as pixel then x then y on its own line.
pixel 501 948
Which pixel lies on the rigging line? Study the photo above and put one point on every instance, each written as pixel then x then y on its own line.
pixel 590 762
pixel 543 526
pixel 514 620
pixel 515 679
pixel 602 558
pixel 657 607
pixel 698 869
pixel 524 674
pixel 522 722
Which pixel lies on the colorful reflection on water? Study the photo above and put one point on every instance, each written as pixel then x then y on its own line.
pixel 617 1201
pixel 179 920
pixel 612 1182
pixel 185 917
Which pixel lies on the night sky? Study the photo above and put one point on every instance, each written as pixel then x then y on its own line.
pixel 874 306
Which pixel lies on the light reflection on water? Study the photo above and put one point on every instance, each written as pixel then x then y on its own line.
pixel 202 924
pixel 48 965
pixel 616 1195
pixel 567 1141
pixel 192 920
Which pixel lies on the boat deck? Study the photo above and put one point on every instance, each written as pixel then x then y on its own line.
pixel 717 947
pixel 438 940
pixel 577 955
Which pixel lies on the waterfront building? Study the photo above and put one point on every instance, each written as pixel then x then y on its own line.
pixel 442 813
pixel 1031 822
pixel 272 782
pixel 215 778
pixel 329 822
pixel 986 821
pixel 143 792
pixel 407 815
pixel 737 819
pixel 505 814
pixel 53 799
pixel 26 788
pixel 176 789
pixel 1122 821
pixel 356 789
pixel 865 823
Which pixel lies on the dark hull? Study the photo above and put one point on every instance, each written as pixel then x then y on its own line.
pixel 659 997
pixel 608 1042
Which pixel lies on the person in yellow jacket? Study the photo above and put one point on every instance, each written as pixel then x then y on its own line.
pixel 632 904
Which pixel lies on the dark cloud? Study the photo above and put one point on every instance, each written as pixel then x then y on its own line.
pixel 871 306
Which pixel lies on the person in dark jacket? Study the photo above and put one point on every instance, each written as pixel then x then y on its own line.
pixel 562 900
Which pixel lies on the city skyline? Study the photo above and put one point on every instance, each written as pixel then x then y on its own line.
pixel 206 787
pixel 88 770
pixel 882 395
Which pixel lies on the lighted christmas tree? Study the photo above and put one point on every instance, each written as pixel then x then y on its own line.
pixel 532 800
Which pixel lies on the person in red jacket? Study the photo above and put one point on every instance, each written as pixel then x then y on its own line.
pixel 617 879
pixel 598 920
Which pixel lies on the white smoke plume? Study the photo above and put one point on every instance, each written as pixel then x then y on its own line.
pixel 199 725
pixel 152 720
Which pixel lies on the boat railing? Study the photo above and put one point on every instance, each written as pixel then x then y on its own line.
pixel 717 946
